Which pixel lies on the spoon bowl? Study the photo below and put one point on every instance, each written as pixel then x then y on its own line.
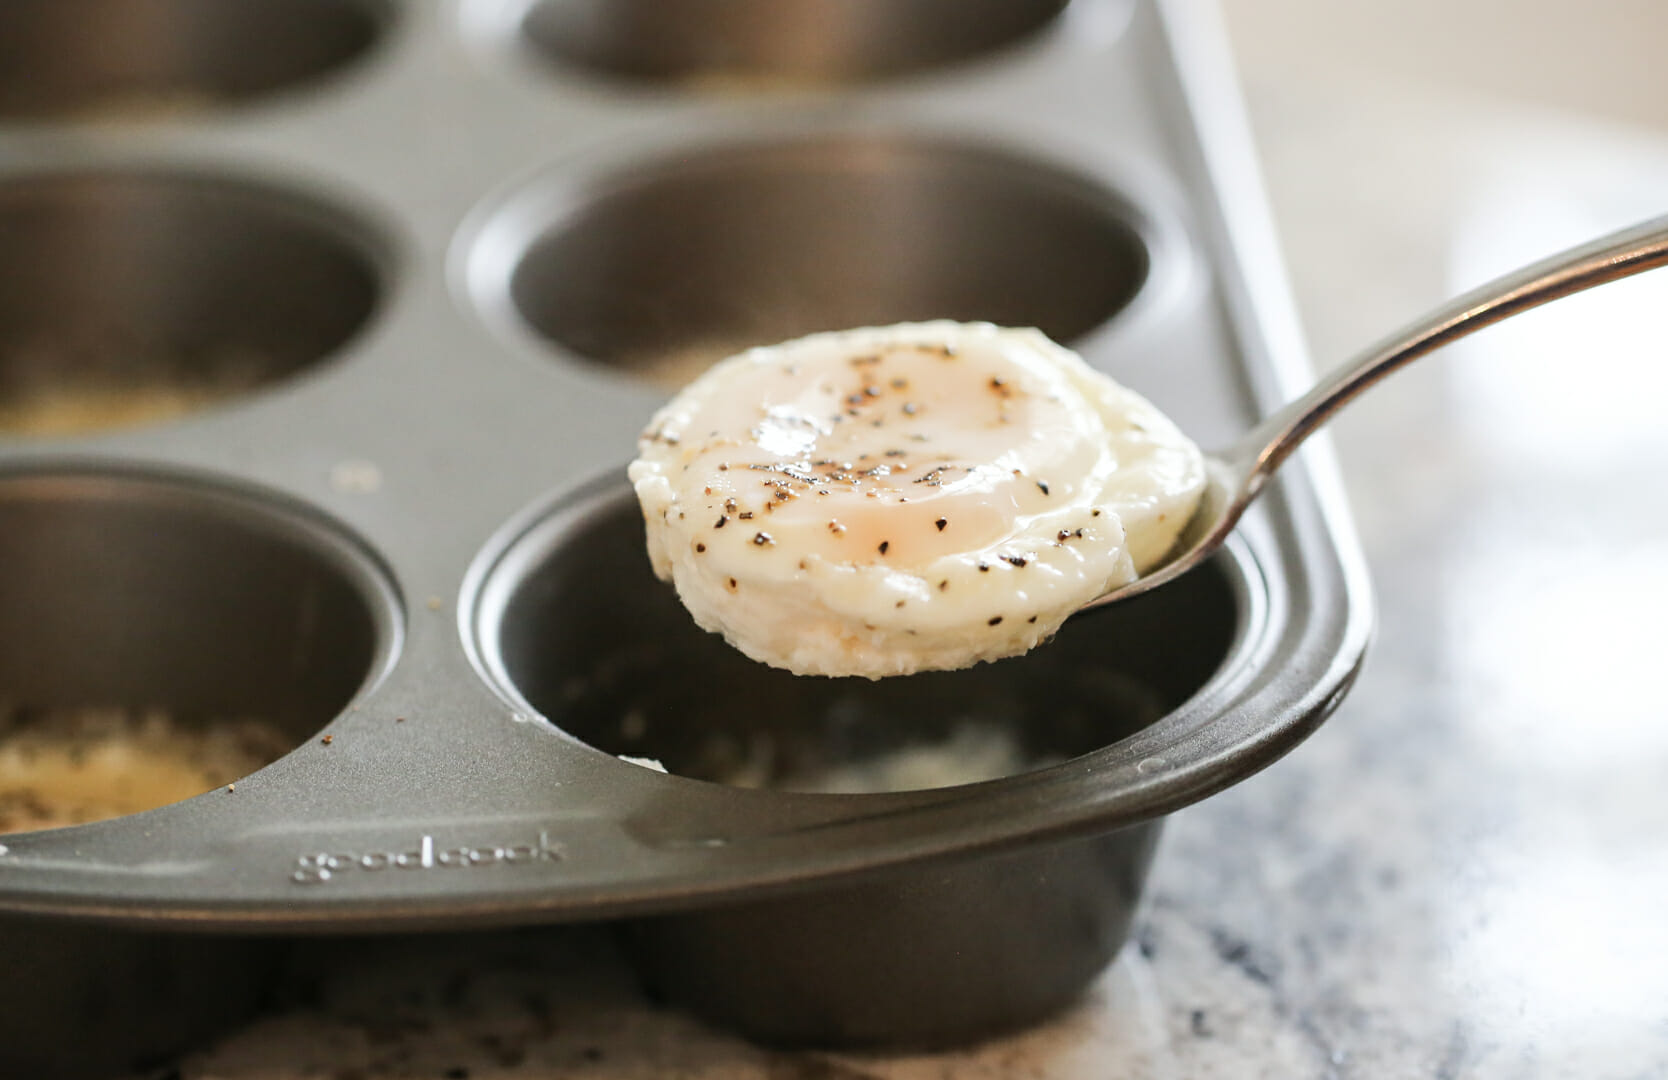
pixel 1235 476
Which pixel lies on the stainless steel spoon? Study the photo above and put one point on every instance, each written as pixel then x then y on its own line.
pixel 1238 474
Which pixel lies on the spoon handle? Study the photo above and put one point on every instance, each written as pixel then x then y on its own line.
pixel 1621 254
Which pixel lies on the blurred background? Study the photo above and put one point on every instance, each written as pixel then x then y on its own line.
pixel 1483 821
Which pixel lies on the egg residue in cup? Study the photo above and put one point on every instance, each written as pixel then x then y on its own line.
pixel 925 496
pixel 73 765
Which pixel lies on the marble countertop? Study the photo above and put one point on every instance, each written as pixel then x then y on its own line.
pixel 1464 873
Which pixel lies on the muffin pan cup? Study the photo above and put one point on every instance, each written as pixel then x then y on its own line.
pixel 446 480
pixel 910 958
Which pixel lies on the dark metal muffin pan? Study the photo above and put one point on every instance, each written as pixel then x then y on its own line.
pixel 408 539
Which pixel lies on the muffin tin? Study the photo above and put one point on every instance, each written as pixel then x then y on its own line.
pixel 437 264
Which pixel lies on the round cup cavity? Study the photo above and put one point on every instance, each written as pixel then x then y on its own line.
pixel 670 266
pixel 160 631
pixel 163 59
pixel 574 624
pixel 129 298
pixel 762 44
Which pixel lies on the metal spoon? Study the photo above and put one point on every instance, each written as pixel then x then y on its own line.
pixel 1238 474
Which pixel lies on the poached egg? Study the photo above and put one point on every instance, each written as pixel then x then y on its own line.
pixel 888 500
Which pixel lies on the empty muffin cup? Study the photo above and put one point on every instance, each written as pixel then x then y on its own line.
pixel 165 637
pixel 668 266
pixel 165 59
pixel 762 44
pixel 943 952
pixel 135 297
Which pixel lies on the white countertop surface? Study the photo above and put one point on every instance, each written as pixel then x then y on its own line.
pixel 1465 872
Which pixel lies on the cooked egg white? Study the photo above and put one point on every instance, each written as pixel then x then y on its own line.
pixel 887 500
pixel 69 766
